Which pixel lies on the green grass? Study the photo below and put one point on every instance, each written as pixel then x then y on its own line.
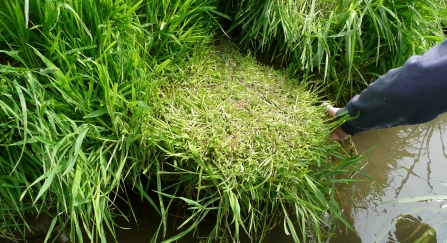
pixel 103 97
pixel 71 120
pixel 242 142
pixel 342 45
pixel 75 87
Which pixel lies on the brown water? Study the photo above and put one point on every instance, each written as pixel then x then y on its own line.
pixel 408 163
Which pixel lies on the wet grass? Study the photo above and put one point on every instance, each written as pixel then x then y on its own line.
pixel 242 142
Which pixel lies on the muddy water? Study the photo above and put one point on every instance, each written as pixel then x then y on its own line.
pixel 407 199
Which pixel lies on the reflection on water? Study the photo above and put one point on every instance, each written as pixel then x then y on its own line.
pixel 408 164
pixel 411 229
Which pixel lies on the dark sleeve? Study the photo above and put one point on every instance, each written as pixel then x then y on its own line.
pixel 411 94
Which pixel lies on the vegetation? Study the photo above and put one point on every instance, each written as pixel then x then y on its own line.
pixel 75 87
pixel 246 144
pixel 342 45
pixel 103 97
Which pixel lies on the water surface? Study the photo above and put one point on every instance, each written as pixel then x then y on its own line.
pixel 407 199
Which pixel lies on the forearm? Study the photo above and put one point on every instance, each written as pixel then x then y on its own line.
pixel 411 94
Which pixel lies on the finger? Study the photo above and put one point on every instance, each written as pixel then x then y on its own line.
pixel 332 111
pixel 334 136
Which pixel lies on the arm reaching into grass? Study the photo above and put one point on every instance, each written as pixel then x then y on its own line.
pixel 411 94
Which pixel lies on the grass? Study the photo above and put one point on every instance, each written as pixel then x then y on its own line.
pixel 242 142
pixel 70 121
pixel 103 97
pixel 76 81
pixel 343 45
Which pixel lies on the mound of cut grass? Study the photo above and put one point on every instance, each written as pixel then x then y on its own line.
pixel 242 142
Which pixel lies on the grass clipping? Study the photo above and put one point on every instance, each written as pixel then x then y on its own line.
pixel 243 137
